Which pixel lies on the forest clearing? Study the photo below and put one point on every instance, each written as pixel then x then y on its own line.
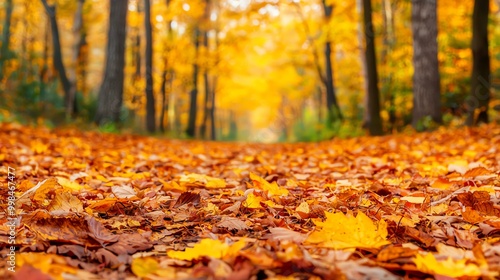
pixel 107 206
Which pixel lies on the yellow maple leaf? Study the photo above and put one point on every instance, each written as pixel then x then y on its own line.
pixel 253 201
pixel 271 188
pixel 38 147
pixel 148 266
pixel 50 264
pixel 142 267
pixel 449 267
pixel 209 248
pixel 202 180
pixel 68 184
pixel 303 207
pixel 341 231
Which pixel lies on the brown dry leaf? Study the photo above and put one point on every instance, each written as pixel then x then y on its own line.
pixel 471 199
pixel 103 205
pixel 476 172
pixel 64 201
pixel 188 197
pixel 472 216
pixel 284 234
pixel 232 223
pixel 393 253
pixel 99 232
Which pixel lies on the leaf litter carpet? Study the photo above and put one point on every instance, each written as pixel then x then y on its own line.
pixel 103 206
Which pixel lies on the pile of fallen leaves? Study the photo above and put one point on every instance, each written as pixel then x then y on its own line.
pixel 100 206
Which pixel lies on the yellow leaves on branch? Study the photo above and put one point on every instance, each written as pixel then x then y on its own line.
pixel 341 231
pixel 208 248
pixel 449 267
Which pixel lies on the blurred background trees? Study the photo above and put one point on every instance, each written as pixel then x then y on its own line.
pixel 280 70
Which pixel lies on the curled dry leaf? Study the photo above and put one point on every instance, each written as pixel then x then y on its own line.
pixel 284 234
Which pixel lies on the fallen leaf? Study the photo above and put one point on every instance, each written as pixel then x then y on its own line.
pixel 208 248
pixel 232 223
pixel 341 231
pixel 271 188
pixel 252 201
pixel 428 264
pixel 64 201
pixel 143 267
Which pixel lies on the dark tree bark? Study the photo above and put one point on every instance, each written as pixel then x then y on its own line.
pixel 4 51
pixel 477 103
pixel 150 99
pixel 111 93
pixel 372 117
pixel 68 87
pixel 191 129
pixel 333 109
pixel 426 89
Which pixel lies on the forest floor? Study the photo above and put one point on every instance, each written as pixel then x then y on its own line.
pixel 106 206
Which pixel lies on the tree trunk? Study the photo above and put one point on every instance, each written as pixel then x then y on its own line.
pixel 166 74
pixel 426 91
pixel 191 129
pixel 206 81
pixel 150 99
pixel 373 121
pixel 111 93
pixel 79 37
pixel 163 91
pixel 212 111
pixel 388 44
pixel 333 109
pixel 4 51
pixel 57 60
pixel 477 103
pixel 43 79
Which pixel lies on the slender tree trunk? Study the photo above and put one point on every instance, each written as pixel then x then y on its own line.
pixel 163 91
pixel 214 90
pixel 206 81
pixel 477 103
pixel 373 120
pixel 213 131
pixel 388 44
pixel 4 51
pixel 191 129
pixel 362 49
pixel 58 61
pixel 111 93
pixel 150 99
pixel 333 109
pixel 43 79
pixel 426 91
pixel 212 111
pixel 166 74
pixel 79 37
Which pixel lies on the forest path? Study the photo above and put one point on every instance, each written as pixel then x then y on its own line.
pixel 111 206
